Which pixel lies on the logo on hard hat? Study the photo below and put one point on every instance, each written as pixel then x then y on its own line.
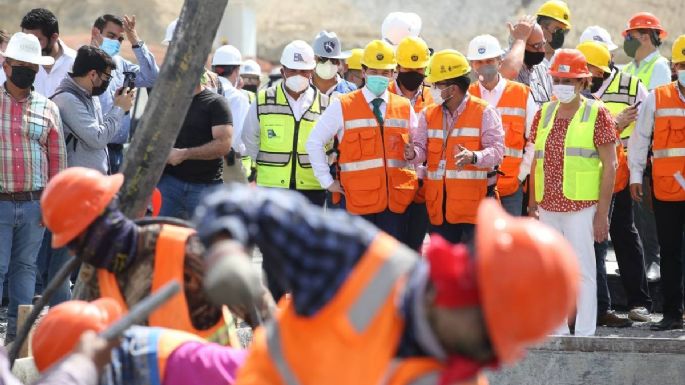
pixel 329 46
pixel 598 38
pixel 564 68
pixel 380 57
pixel 443 69
pixel 415 58
pixel 297 57
pixel 683 51
pixel 481 50
pixel 565 16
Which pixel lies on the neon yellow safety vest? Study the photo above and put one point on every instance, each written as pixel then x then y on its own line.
pixel 582 168
pixel 644 73
pixel 283 160
pixel 621 94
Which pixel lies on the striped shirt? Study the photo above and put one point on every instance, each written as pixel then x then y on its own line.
pixel 32 149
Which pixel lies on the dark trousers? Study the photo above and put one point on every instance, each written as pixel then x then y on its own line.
pixel 670 218
pixel 629 252
pixel 455 233
pixel 116 157
pixel 603 296
pixel 315 197
pixel 417 226
pixel 389 222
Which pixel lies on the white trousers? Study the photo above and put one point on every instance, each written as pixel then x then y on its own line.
pixel 576 227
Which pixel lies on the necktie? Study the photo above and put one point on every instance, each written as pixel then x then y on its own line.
pixel 377 110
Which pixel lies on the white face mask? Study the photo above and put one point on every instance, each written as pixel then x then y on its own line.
pixel 326 70
pixel 436 93
pixel 565 93
pixel 297 83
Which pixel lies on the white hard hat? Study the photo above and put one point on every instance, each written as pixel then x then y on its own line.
pixel 598 34
pixel 169 35
pixel 298 55
pixel 250 67
pixel 26 47
pixel 484 47
pixel 398 25
pixel 227 55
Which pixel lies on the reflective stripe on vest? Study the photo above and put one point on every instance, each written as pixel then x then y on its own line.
pixel 265 109
pixel 513 152
pixel 669 112
pixel 395 163
pixel 669 153
pixel 360 123
pixel 621 94
pixel 435 133
pixel 583 152
pixel 511 111
pixel 467 175
pixel 361 165
pixel 275 158
pixel 360 314
pixel 398 123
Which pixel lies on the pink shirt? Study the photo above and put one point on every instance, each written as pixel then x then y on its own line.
pixel 492 136
pixel 203 363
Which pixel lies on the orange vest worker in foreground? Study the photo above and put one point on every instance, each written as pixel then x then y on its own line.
pixel 80 208
pixel 364 308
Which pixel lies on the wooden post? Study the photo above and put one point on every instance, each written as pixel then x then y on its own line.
pixel 22 316
pixel 169 102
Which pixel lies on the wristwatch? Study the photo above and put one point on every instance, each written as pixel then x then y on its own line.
pixel 474 160
pixel 140 43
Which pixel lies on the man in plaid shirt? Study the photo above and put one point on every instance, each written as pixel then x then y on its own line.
pixel 32 151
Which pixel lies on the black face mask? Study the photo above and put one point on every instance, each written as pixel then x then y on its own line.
pixel 99 90
pixel 533 58
pixel 250 87
pixel 596 84
pixel 557 39
pixel 22 77
pixel 410 80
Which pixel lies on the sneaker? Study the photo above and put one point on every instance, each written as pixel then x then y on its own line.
pixel 639 314
pixel 610 319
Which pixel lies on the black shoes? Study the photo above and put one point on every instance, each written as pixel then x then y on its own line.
pixel 668 323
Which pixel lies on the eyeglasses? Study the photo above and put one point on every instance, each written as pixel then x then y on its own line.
pixel 108 78
pixel 537 46
pixel 327 59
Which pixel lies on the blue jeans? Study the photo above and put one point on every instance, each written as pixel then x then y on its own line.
pixel 21 234
pixel 179 198
pixel 49 262
pixel 389 222
pixel 513 203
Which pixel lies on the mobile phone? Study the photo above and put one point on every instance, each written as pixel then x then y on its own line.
pixel 636 105
pixel 130 80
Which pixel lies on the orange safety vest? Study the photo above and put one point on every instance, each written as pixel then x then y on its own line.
pixel 465 188
pixel 373 171
pixel 512 108
pixel 424 100
pixel 622 171
pixel 668 144
pixel 169 261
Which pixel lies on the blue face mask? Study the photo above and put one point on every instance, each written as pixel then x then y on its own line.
pixel 681 77
pixel 110 46
pixel 377 84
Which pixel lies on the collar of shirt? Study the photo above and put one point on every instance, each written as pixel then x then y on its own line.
pixel 495 95
pixel 338 79
pixel 369 96
pixel 462 106
pixel 414 98
pixel 7 94
pixel 302 103
pixel 647 59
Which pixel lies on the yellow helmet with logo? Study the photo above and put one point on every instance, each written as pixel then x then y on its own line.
pixel 447 64
pixel 557 10
pixel 678 51
pixel 412 52
pixel 596 54
pixel 379 55
pixel 354 62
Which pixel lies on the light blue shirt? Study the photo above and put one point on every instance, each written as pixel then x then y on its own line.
pixel 146 75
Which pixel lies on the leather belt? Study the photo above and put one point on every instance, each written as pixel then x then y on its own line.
pixel 24 196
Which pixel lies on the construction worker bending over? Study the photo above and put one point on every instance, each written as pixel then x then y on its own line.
pixel 516 107
pixel 463 140
pixel 621 94
pixel 375 310
pixel 279 123
pixel 660 126
pixel 573 173
pixel 374 128
pixel 145 355
pixel 123 259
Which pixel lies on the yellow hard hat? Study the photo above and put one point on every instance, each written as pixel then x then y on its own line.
pixel 379 55
pixel 596 54
pixel 447 64
pixel 557 10
pixel 412 52
pixel 354 62
pixel 678 52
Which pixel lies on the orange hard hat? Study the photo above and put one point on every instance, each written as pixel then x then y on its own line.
pixel 156 202
pixel 528 279
pixel 60 330
pixel 569 63
pixel 73 199
pixel 645 20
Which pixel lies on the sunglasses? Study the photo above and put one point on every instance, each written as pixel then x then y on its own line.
pixel 327 59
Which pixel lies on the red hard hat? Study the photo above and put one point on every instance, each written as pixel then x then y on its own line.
pixel 73 199
pixel 645 20
pixel 527 279
pixel 60 330
pixel 570 64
